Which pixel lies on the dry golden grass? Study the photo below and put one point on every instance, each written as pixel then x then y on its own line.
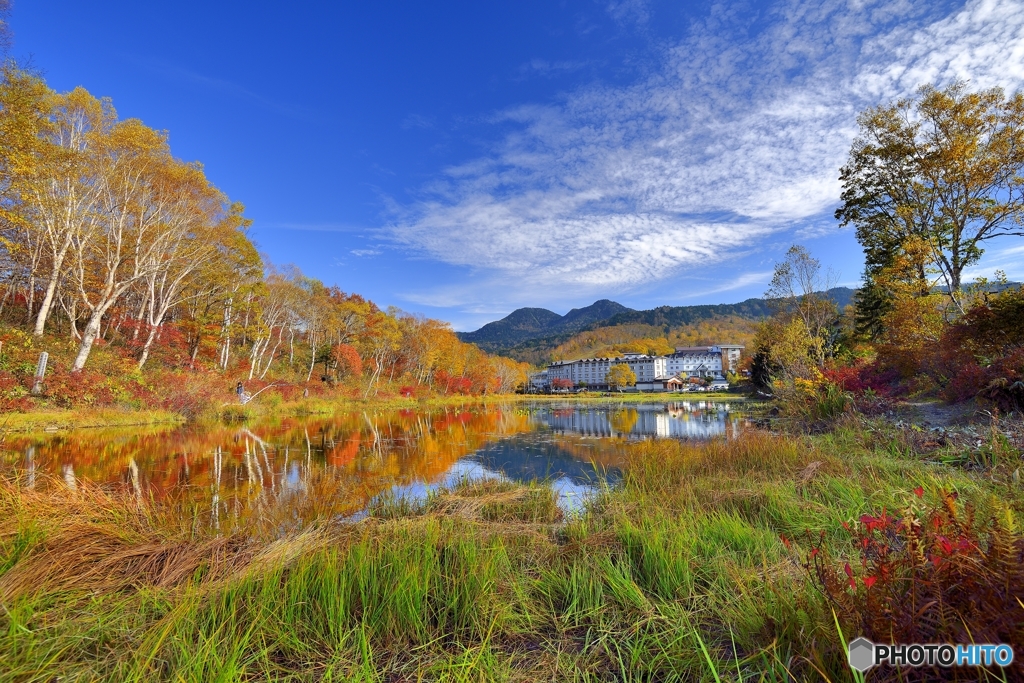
pixel 99 540
pixel 497 501
pixel 93 539
pixel 89 558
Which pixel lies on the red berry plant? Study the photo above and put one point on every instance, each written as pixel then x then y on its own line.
pixel 934 574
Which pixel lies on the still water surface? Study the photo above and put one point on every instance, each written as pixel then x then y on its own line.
pixel 297 470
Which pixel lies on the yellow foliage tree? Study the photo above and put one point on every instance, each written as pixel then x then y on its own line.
pixel 621 376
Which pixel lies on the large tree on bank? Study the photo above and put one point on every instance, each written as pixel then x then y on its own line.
pixel 938 174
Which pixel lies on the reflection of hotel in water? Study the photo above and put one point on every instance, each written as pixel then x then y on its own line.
pixel 698 419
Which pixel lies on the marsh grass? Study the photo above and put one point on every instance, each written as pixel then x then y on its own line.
pixel 491 500
pixel 685 572
pixel 54 420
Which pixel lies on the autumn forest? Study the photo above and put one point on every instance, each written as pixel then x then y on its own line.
pixel 133 270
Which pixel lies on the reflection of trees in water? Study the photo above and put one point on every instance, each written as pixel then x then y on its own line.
pixel 623 421
pixel 291 471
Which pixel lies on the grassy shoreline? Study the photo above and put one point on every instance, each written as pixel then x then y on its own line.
pixel 685 572
pixel 62 420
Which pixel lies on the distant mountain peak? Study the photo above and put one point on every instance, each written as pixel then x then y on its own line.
pixel 524 324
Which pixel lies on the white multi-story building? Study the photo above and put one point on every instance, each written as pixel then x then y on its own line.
pixel 591 372
pixel 652 372
pixel 731 355
pixel 646 368
pixel 696 361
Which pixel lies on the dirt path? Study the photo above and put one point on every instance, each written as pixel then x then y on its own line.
pixel 937 414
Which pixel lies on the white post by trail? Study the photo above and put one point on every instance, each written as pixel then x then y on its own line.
pixel 37 386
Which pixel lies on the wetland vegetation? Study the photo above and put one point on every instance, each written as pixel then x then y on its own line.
pixel 701 560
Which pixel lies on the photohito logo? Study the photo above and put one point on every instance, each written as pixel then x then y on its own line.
pixel 864 654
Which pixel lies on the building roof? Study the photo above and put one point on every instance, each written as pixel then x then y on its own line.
pixel 713 348
pixel 633 357
pixel 625 358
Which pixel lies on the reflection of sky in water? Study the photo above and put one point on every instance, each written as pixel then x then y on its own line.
pixel 531 457
pixel 573 489
pixel 293 478
pixel 536 456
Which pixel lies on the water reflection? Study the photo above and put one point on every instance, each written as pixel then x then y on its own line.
pixel 681 419
pixel 289 472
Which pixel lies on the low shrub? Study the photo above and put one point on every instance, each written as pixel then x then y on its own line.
pixel 999 382
pixel 814 401
pixel 866 377
pixel 14 395
pixel 932 575
pixel 1005 386
pixel 85 388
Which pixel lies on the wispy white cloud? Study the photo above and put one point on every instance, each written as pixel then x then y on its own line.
pixel 417 121
pixel 635 12
pixel 544 67
pixel 366 252
pixel 740 282
pixel 738 136
pixel 1010 260
pixel 223 86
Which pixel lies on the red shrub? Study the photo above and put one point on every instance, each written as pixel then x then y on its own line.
pixel 846 377
pixel 13 394
pixel 932 576
pixel 461 385
pixel 452 384
pixel 982 354
pixel 289 392
pixel 966 383
pixel 348 360
pixel 1005 385
pixel 85 388
pixel 170 348
pixel 864 376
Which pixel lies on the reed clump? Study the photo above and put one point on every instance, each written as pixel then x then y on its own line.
pixel 692 569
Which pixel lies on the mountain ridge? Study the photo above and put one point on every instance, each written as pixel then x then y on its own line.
pixel 524 324
pixel 528 330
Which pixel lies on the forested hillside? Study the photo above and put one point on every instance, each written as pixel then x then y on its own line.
pixel 639 338
pixel 753 309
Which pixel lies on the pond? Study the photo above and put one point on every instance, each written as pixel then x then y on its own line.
pixel 293 471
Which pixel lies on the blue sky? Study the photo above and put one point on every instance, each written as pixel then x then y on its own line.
pixel 463 159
